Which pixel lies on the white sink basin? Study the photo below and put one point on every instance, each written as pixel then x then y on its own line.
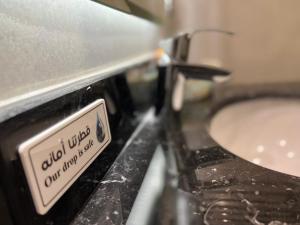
pixel 264 131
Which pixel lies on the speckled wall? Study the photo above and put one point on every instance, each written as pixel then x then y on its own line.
pixel 266 47
pixel 266 44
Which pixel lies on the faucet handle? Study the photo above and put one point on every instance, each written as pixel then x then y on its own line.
pixel 203 72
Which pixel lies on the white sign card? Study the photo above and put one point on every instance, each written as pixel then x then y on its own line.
pixel 56 157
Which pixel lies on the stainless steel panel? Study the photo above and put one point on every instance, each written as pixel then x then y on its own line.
pixel 51 44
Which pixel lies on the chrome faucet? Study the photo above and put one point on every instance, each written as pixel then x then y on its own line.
pixel 182 69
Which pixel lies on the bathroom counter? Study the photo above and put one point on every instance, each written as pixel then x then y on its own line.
pixel 205 184
pixel 216 187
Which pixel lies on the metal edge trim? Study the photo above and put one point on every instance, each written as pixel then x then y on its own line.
pixel 16 105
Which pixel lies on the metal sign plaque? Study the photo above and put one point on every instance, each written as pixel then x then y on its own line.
pixel 56 157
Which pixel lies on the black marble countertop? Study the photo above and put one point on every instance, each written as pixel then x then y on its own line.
pixel 114 197
pixel 216 187
pixel 207 186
